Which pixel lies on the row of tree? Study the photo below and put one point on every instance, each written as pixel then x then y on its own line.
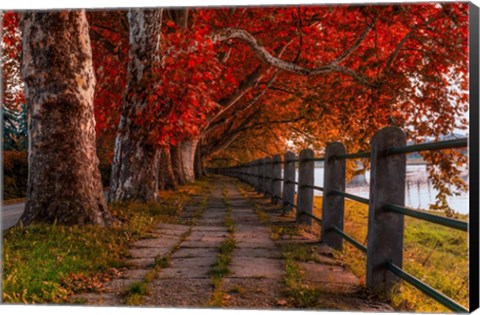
pixel 174 88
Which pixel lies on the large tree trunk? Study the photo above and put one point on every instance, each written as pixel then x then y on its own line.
pixel 177 165
pixel 166 179
pixel 64 181
pixel 135 160
pixel 188 149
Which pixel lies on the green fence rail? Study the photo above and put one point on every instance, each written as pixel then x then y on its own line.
pixel 311 216
pixel 257 174
pixel 431 292
pixel 349 239
pixel 350 196
pixel 430 146
pixel 449 222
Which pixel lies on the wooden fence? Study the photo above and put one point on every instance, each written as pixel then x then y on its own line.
pixel 384 248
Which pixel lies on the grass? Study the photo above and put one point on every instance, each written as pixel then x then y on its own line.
pixel 44 264
pixel 303 253
pixel 435 254
pixel 287 231
pixel 48 263
pixel 299 294
pixel 135 293
pixel 162 262
pixel 237 289
pixel 220 268
pixel 261 214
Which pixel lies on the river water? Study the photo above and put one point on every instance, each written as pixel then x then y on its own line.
pixel 419 194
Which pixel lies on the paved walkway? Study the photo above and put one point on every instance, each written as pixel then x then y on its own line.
pixel 176 262
pixel 186 282
pixel 257 266
pixel 11 214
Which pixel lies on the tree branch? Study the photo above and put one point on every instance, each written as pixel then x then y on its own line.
pixel 249 82
pixel 402 42
pixel 212 125
pixel 395 53
pixel 263 54
pixel 355 45
pixel 234 134
pixel 276 88
pixel 94 35
pixel 229 132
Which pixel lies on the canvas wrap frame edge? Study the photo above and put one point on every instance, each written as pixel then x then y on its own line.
pixel 474 53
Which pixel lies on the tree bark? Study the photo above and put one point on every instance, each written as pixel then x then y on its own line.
pixel 177 165
pixel 64 182
pixel 187 149
pixel 180 16
pixel 135 161
pixel 199 162
pixel 166 180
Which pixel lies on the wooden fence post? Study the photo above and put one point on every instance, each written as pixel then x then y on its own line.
pixel 277 179
pixel 259 171
pixel 385 229
pixel 288 181
pixel 254 174
pixel 305 192
pixel 264 175
pixel 250 173
pixel 244 172
pixel 333 205
pixel 268 176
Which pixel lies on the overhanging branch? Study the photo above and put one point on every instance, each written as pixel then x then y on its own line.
pixel 265 56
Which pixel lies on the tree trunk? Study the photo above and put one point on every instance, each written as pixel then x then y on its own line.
pixel 188 149
pixel 199 163
pixel 135 160
pixel 64 182
pixel 177 165
pixel 166 180
pixel 180 16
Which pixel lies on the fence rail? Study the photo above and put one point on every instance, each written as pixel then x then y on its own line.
pixel 386 212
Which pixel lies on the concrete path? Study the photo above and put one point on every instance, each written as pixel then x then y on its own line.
pixel 257 277
pixel 146 257
pixel 175 263
pixel 186 281
pixel 257 265
pixel 334 287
